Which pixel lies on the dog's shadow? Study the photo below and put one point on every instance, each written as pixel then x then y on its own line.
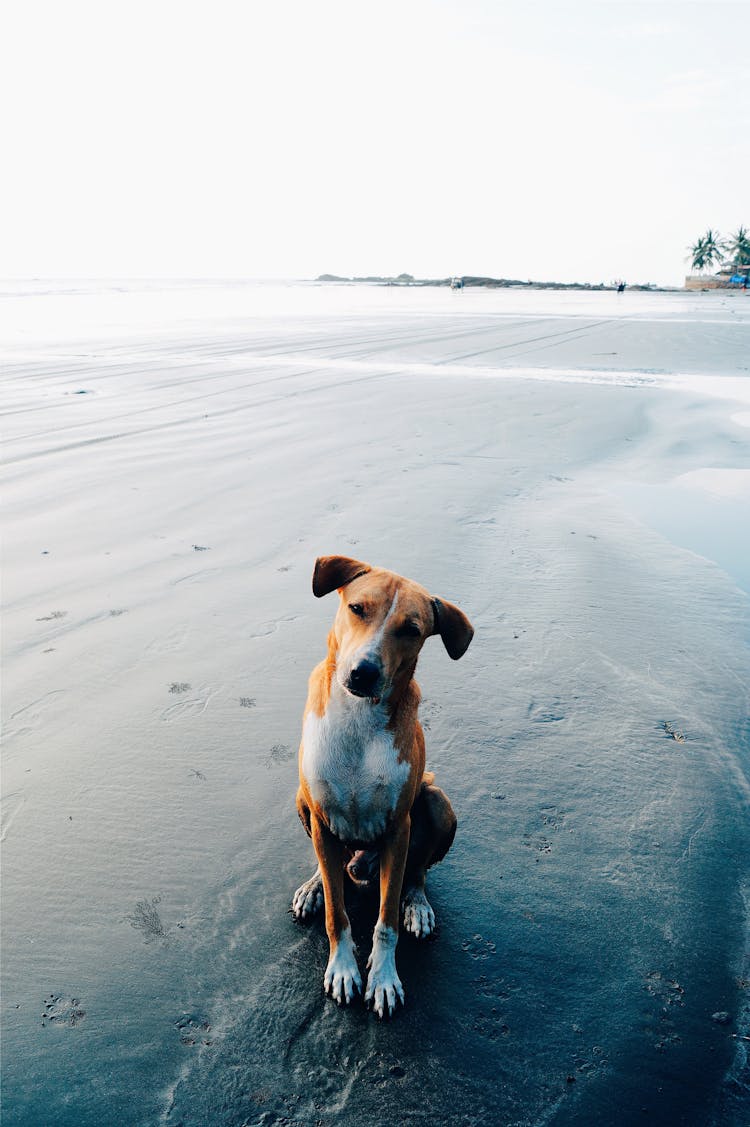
pixel 292 1052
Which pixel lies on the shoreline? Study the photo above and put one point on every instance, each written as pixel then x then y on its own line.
pixel 473 281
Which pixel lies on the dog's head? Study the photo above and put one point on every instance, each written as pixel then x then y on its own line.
pixel 382 623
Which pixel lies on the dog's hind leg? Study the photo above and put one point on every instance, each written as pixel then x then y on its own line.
pixel 433 827
pixel 308 900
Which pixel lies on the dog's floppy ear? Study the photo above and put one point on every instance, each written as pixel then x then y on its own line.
pixel 453 627
pixel 332 572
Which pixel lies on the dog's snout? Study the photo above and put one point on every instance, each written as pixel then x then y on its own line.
pixel 364 678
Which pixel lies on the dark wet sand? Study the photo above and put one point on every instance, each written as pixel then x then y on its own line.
pixel 594 741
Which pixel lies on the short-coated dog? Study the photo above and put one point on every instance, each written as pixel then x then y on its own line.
pixel 364 796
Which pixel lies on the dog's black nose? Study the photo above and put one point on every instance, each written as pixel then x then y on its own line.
pixel 363 678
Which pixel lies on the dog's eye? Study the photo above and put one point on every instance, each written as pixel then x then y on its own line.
pixel 358 609
pixel 409 630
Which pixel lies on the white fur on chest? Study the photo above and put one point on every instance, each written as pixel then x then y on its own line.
pixel 351 767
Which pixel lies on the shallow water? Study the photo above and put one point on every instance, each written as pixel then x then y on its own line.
pixel 162 526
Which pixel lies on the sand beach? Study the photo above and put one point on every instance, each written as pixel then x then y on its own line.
pixel 573 470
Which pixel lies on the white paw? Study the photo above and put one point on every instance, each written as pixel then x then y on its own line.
pixel 342 979
pixel 308 900
pixel 383 984
pixel 419 918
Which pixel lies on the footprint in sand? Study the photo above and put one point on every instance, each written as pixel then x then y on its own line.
pixel 667 990
pixel 279 754
pixel 491 1024
pixel 478 948
pixel 187 708
pixel 429 712
pixel 537 842
pixel 550 713
pixel 591 1063
pixel 496 989
pixel 553 818
pixel 490 1019
pixel 668 995
pixel 193 1030
pixel 59 1010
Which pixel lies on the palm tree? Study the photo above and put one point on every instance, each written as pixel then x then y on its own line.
pixel 737 247
pixel 713 249
pixel 698 257
pixel 708 251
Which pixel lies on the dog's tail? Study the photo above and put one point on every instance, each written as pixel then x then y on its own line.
pixel 428 778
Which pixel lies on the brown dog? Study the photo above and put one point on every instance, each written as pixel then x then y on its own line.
pixel 364 797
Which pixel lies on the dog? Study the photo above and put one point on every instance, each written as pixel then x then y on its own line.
pixel 364 796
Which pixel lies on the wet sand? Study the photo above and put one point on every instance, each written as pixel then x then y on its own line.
pixel 572 470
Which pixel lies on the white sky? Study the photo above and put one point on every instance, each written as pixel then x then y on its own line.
pixel 579 140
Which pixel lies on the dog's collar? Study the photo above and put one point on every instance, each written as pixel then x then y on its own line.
pixel 435 616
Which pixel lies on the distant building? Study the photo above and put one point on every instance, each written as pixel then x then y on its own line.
pixel 728 278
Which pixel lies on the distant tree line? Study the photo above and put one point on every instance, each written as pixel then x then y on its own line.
pixel 712 250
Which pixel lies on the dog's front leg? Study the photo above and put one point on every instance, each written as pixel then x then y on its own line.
pixel 342 978
pixel 383 984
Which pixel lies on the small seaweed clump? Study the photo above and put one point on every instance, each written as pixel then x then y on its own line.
pixel 146 918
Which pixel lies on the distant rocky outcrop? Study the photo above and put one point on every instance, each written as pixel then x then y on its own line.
pixel 399 280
